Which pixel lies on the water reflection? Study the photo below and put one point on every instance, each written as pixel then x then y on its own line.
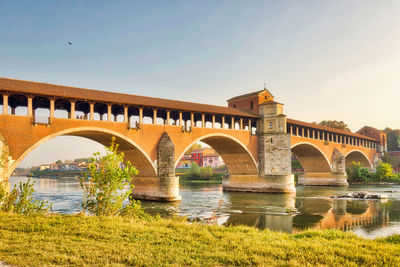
pixel 310 207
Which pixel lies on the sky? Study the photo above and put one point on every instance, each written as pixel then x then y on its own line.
pixel 325 60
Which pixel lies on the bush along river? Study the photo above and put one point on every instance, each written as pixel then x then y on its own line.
pixel 310 207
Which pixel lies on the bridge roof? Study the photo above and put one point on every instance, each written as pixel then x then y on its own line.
pixel 53 90
pixel 328 129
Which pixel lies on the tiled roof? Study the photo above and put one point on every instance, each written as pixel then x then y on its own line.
pixel 328 129
pixel 246 95
pixel 37 88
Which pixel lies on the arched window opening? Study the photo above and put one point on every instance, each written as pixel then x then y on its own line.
pixel 251 105
pixel 117 112
pixel 62 108
pixel 187 123
pixel 133 117
pixel 161 117
pixel 18 105
pixel 100 112
pixel 174 117
pixel 148 115
pixel 41 109
pixel 218 122
pixel 208 119
pixel 198 120
pixel 253 127
pixel 1 104
pixel 228 122
pixel 82 109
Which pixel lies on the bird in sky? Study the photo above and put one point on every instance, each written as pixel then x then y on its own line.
pixel 69 43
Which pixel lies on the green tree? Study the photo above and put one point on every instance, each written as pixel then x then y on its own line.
pixel 335 124
pixel 357 173
pixel 194 171
pixel 393 139
pixel 59 161
pixel 21 200
pixel 206 173
pixel 87 160
pixel 105 181
pixel 392 160
pixel 384 171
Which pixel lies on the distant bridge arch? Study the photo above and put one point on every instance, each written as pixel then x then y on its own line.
pixel 311 157
pixel 358 156
pixel 133 152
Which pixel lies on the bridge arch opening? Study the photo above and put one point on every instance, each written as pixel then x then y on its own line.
pixel 117 113
pixel 100 111
pixel 41 109
pixel 18 105
pixel 133 152
pixel 238 160
pixel 82 109
pixel 62 108
pixel 357 156
pixel 311 158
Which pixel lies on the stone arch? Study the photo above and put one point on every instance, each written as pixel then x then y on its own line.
pixel 357 156
pixel 311 158
pixel 237 158
pixel 133 152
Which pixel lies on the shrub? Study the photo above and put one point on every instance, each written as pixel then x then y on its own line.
pixel 104 183
pixel 206 173
pixel 384 172
pixel 21 200
pixel 357 173
pixel 194 171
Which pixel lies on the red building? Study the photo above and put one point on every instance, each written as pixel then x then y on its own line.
pixel 199 155
pixel 376 134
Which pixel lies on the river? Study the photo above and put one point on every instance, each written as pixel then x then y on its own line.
pixel 310 207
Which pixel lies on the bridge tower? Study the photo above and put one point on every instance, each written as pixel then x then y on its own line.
pixel 274 150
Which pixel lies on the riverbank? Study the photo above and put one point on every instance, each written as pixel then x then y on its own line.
pixel 75 240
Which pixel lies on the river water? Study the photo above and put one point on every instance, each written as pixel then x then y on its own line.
pixel 310 207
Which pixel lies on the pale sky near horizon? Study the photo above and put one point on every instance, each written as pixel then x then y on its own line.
pixel 337 60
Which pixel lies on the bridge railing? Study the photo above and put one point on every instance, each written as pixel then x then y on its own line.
pixel 328 136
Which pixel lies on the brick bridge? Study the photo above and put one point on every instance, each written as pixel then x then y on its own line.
pixel 255 141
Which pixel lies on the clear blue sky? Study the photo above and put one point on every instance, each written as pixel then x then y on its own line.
pixel 322 59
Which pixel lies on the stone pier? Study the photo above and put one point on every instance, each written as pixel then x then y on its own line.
pixel 165 186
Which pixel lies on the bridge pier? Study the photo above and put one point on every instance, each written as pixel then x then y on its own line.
pixel 165 186
pixel 156 188
pixel 260 184
pixel 323 178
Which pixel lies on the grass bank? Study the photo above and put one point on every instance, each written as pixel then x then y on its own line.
pixel 74 240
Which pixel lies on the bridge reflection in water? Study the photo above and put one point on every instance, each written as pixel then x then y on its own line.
pixel 315 213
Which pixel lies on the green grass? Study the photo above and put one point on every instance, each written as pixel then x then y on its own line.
pixel 75 240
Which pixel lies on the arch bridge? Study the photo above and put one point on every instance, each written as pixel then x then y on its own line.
pixel 154 134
